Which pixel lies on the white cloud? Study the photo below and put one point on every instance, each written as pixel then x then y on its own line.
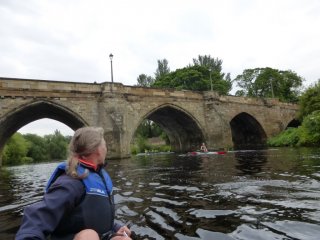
pixel 70 40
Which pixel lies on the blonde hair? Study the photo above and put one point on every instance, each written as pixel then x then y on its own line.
pixel 84 142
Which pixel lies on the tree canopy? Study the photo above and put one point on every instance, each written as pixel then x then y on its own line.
pixel 214 64
pixel 15 150
pixel 147 81
pixel 204 73
pixel 37 147
pixel 57 145
pixel 269 82
pixel 149 129
pixel 28 148
pixel 310 100
pixel 163 69
pixel 144 80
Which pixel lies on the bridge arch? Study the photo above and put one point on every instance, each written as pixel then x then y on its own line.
pixel 294 123
pixel 183 130
pixel 27 113
pixel 247 132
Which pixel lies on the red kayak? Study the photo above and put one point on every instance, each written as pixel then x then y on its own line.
pixel 206 153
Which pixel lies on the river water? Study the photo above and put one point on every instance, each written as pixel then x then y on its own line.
pixel 267 194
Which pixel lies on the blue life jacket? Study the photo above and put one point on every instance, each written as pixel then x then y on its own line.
pixel 95 211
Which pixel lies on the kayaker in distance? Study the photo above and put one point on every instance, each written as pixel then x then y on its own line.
pixel 203 148
pixel 78 202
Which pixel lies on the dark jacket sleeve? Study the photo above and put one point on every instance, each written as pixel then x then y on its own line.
pixel 41 218
pixel 116 227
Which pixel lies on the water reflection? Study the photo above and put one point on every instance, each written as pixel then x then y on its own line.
pixel 8 220
pixel 251 162
pixel 20 186
pixel 269 194
pixel 5 187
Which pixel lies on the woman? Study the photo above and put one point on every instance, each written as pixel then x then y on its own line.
pixel 78 202
pixel 203 148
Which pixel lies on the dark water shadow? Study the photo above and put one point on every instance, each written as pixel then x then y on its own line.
pixel 251 162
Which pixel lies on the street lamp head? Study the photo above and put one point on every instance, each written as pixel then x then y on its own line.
pixel 111 56
pixel 210 69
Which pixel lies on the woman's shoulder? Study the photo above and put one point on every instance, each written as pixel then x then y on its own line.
pixel 70 183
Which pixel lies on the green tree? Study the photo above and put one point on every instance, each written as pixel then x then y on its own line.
pixel 196 78
pixel 162 70
pixel 215 68
pixel 204 73
pixel 214 64
pixel 141 144
pixel 149 129
pixel 268 82
pixel 57 146
pixel 15 150
pixel 144 80
pixel 310 134
pixel 310 100
pixel 37 147
pixel 144 129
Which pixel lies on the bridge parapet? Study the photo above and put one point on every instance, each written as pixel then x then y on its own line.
pixel 214 96
pixel 29 87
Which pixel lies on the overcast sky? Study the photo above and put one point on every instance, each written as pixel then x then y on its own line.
pixel 70 40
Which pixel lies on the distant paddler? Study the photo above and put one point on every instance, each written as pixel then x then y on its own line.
pixel 203 148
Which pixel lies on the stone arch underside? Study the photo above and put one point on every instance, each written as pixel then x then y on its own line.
pixel 183 131
pixel 293 124
pixel 247 133
pixel 26 114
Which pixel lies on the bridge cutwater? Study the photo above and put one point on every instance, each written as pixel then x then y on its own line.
pixel 188 117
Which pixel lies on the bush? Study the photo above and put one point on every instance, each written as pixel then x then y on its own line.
pixel 289 137
pixel 141 145
pixel 165 148
pixel 310 134
pixel 15 150
pixel 27 160
pixel 310 100
pixel 134 149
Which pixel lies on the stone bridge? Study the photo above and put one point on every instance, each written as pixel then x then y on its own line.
pixel 188 117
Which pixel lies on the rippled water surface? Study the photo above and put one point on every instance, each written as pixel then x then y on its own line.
pixel 270 194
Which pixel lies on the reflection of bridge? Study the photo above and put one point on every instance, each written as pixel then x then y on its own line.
pixel 187 117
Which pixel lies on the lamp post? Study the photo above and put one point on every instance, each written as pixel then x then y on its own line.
pixel 210 78
pixel 111 56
